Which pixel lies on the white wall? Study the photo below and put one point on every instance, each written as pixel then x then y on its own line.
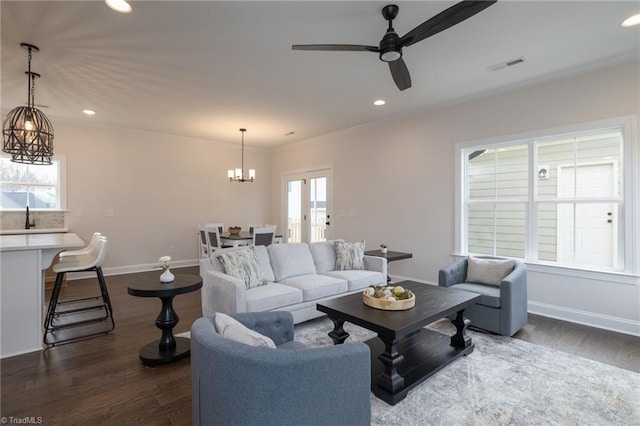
pixel 160 188
pixel 398 175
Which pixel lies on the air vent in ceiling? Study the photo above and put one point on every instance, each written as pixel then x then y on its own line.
pixel 505 64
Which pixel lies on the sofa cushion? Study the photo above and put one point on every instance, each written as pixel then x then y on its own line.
pixel 324 255
pixel 488 271
pixel 358 279
pixel 316 286
pixel 271 296
pixel 243 264
pixel 349 255
pixel 489 295
pixel 233 329
pixel 290 260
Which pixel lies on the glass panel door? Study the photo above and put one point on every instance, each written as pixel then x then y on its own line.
pixel 294 211
pixel 307 206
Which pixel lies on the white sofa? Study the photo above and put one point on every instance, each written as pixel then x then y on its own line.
pixel 298 276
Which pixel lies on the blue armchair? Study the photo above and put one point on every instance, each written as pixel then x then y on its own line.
pixel 237 384
pixel 501 309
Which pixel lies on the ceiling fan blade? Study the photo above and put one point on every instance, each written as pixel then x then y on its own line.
pixel 336 47
pixel 400 74
pixel 443 20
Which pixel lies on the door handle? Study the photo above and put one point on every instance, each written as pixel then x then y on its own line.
pixel 327 223
pixel 609 221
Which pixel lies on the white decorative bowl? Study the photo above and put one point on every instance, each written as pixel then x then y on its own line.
pixel 389 305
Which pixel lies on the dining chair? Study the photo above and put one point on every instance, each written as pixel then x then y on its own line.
pixel 220 226
pixel 253 226
pixel 263 236
pixel 202 242
pixel 212 235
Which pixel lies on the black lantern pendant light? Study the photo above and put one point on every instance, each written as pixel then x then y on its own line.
pixel 28 133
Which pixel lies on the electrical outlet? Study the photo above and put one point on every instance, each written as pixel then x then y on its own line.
pixel 353 212
pixel 172 249
pixel 79 213
pixel 108 213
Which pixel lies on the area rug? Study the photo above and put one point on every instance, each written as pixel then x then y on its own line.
pixel 504 381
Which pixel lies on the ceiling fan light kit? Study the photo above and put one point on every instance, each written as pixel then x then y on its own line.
pixel 27 132
pixel 391 45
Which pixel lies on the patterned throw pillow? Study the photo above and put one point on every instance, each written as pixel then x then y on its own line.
pixel 349 255
pixel 488 271
pixel 243 264
pixel 234 330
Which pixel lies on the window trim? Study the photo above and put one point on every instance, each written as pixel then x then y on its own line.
pixel 61 188
pixel 629 213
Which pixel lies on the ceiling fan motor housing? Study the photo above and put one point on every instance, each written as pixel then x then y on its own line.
pixel 390 49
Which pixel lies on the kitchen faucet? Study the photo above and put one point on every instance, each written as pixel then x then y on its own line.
pixel 27 224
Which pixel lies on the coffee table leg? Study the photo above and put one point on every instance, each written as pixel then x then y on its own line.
pixel 390 380
pixel 338 335
pixel 460 339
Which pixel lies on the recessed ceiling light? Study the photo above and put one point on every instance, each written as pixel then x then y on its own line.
pixel 631 21
pixel 379 102
pixel 89 111
pixel 119 5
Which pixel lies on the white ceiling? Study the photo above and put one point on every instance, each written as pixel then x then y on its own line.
pixel 204 69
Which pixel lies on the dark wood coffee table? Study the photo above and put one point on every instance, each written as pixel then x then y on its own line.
pixel 405 353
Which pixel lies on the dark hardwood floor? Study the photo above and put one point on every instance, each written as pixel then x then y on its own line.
pixel 102 381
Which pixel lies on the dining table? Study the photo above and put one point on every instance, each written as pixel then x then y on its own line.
pixel 244 238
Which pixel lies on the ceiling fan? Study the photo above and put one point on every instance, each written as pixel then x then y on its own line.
pixel 390 47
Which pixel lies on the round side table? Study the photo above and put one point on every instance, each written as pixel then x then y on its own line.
pixel 168 348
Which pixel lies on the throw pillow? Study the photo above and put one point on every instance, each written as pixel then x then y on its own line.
pixel 488 271
pixel 233 329
pixel 349 255
pixel 243 264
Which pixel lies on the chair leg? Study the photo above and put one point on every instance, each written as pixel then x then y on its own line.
pixel 53 302
pixel 105 296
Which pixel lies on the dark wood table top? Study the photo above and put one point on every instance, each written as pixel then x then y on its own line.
pixel 432 304
pixel 152 287
pixel 389 255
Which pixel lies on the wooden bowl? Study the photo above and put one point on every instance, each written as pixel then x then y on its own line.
pixel 389 305
pixel 235 230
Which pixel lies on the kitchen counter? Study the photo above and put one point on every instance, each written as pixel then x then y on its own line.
pixel 33 231
pixel 23 259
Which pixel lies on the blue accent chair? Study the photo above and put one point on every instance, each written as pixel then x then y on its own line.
pixel 237 384
pixel 501 310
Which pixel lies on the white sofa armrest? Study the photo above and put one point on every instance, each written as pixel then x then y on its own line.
pixel 221 292
pixel 375 263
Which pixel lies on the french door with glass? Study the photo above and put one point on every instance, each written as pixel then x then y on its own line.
pixel 308 206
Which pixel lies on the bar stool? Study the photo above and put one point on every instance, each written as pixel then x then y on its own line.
pixel 67 314
pixel 68 254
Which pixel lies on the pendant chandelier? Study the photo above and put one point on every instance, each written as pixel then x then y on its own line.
pixel 27 132
pixel 237 175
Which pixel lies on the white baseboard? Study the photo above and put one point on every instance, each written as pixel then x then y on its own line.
pixel 132 269
pixel 619 325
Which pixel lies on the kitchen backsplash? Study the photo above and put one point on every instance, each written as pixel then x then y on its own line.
pixel 16 220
